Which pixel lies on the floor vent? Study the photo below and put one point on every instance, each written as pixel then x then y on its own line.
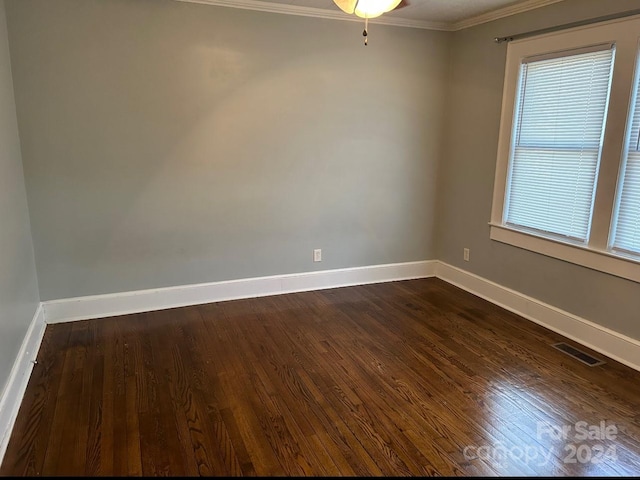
pixel 578 354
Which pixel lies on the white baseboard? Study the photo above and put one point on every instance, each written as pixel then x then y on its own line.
pixel 596 337
pixel 99 306
pixel 19 377
pixel 601 339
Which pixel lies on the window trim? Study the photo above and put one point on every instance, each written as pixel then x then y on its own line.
pixel 596 253
pixel 601 260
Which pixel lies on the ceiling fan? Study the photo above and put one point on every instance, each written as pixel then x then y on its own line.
pixel 369 9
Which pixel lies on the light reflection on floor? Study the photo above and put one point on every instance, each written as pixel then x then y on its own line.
pixel 527 433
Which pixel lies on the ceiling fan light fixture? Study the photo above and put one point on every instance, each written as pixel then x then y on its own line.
pixel 367 8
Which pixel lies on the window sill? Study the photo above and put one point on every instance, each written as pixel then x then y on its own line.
pixel 603 261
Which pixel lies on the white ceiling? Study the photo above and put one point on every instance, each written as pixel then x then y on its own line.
pixel 435 11
pixel 430 14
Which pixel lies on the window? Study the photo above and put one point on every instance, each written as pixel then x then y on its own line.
pixel 568 170
pixel 626 226
pixel 558 132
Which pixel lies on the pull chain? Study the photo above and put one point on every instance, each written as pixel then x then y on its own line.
pixel 365 33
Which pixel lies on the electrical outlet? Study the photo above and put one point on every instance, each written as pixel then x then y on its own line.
pixel 317 255
pixel 466 254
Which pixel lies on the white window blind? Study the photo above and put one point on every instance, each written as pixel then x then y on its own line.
pixel 626 224
pixel 557 141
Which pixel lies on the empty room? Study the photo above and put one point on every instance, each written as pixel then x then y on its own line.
pixel 319 238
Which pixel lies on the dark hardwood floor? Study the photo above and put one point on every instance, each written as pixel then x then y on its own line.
pixel 404 378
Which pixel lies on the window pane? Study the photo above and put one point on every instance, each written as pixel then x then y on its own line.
pixel 626 224
pixel 552 188
pixel 558 133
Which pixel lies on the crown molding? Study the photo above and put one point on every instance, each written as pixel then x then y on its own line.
pixel 320 13
pixel 265 6
pixel 501 13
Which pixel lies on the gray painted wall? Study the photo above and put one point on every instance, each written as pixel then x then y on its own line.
pixel 167 143
pixel 18 284
pixel 467 173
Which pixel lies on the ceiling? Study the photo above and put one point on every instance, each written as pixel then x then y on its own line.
pixel 448 11
pixel 431 14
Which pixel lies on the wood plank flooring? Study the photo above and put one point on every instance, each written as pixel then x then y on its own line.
pixel 409 378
